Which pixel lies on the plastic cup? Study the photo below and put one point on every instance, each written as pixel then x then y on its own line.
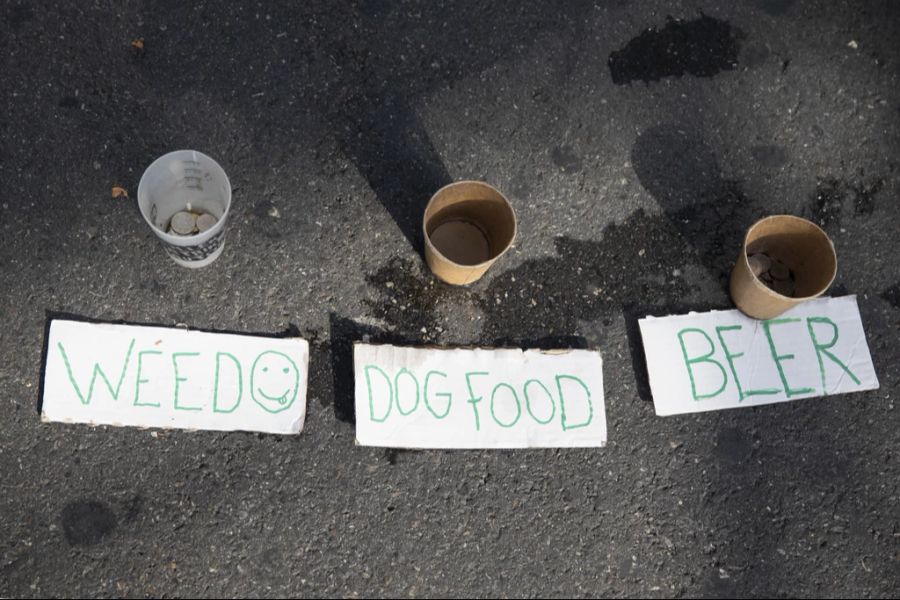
pixel 800 245
pixel 186 180
pixel 468 225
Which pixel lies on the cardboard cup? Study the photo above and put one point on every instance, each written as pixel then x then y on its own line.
pixel 167 187
pixel 468 225
pixel 800 245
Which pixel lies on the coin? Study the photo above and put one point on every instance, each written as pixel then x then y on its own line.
pixel 183 223
pixel 779 271
pixel 759 263
pixel 205 222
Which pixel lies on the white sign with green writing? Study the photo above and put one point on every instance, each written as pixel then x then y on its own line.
pixel 101 373
pixel 724 359
pixel 478 398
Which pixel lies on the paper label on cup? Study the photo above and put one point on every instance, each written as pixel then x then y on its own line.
pixel 724 359
pixel 478 398
pixel 103 373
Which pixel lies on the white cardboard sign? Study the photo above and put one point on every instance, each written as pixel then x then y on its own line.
pixel 478 398
pixel 102 373
pixel 724 359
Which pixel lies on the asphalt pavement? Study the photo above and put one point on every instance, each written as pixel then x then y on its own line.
pixel 636 140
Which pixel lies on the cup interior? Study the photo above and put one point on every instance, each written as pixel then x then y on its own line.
pixel 800 245
pixel 470 223
pixel 182 180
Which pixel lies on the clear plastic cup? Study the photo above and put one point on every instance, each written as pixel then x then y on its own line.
pixel 192 181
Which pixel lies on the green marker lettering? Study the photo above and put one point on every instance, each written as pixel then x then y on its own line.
pixel 528 401
pixel 266 367
pixel 97 371
pixel 397 388
pixel 688 362
pixel 240 375
pixel 823 348
pixel 515 397
pixel 562 402
pixel 139 381
pixel 372 401
pixel 178 379
pixel 779 358
pixel 730 358
pixel 448 395
pixel 472 399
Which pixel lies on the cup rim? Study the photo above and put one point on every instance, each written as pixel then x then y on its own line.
pixel 766 289
pixel 490 261
pixel 180 240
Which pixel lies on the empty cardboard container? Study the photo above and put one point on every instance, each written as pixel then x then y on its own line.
pixel 800 245
pixel 468 225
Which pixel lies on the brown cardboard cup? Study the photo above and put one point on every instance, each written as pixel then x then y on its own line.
pixel 800 245
pixel 468 225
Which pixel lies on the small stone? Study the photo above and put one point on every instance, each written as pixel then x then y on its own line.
pixel 183 223
pixel 205 222
pixel 779 271
pixel 852 44
pixel 759 263
pixel 275 213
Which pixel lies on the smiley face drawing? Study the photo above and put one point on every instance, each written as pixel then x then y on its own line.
pixel 274 381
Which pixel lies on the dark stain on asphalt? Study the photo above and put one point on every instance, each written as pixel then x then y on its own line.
pixel 86 522
pixel 407 295
pixel 892 295
pixel 711 213
pixel 566 159
pixel 540 303
pixel 543 302
pixel 835 197
pixel 702 47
